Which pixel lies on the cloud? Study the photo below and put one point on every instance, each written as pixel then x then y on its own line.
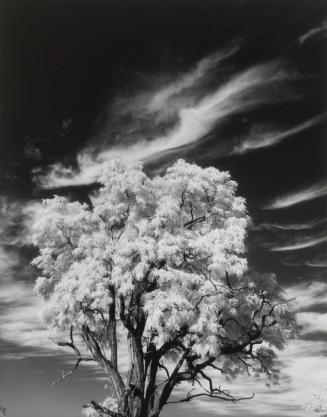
pixel 297 226
pixel 8 261
pixel 160 98
pixel 299 244
pixel 194 117
pixel 21 322
pixel 16 219
pixel 20 307
pixel 315 191
pixel 296 242
pixel 261 138
pixel 317 264
pixel 306 365
pixel 318 31
pixel 312 322
pixel 308 295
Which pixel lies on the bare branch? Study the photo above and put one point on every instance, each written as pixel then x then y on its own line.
pixel 80 358
pixel 161 365
pixel 67 374
pixel 189 397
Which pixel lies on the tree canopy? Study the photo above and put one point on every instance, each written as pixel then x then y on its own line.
pixel 158 263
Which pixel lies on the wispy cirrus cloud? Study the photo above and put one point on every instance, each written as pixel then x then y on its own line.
pixel 264 138
pixel 167 94
pixel 319 31
pixel 317 263
pixel 288 200
pixel 299 243
pixel 289 226
pixel 196 112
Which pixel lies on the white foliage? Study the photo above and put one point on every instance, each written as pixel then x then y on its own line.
pixel 180 232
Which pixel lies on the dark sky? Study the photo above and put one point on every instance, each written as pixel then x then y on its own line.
pixel 237 84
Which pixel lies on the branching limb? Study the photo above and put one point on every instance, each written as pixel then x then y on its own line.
pixel 92 343
pixel 79 357
pixel 161 365
pixel 220 395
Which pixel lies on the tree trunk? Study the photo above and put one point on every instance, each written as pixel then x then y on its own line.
pixel 112 328
pixel 134 398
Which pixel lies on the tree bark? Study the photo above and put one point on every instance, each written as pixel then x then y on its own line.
pixel 112 329
pixel 135 395
pixel 114 377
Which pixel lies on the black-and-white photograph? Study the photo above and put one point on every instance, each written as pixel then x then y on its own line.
pixel 163 216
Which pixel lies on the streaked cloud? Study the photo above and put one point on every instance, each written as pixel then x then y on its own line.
pixel 157 101
pixel 21 322
pixel 314 33
pixel 284 227
pixel 288 200
pixel 317 264
pixel 313 322
pixel 308 295
pixel 299 244
pixel 195 115
pixel 263 138
pixel 20 308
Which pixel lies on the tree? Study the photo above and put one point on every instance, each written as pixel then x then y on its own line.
pixel 158 263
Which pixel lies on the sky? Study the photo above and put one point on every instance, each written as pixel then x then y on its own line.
pixel 235 84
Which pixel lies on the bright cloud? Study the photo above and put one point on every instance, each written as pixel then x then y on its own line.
pixel 317 264
pixel 295 226
pixel 313 322
pixel 160 98
pixel 307 194
pixel 263 139
pixel 317 31
pixel 20 319
pixel 20 307
pixel 299 244
pixel 308 295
